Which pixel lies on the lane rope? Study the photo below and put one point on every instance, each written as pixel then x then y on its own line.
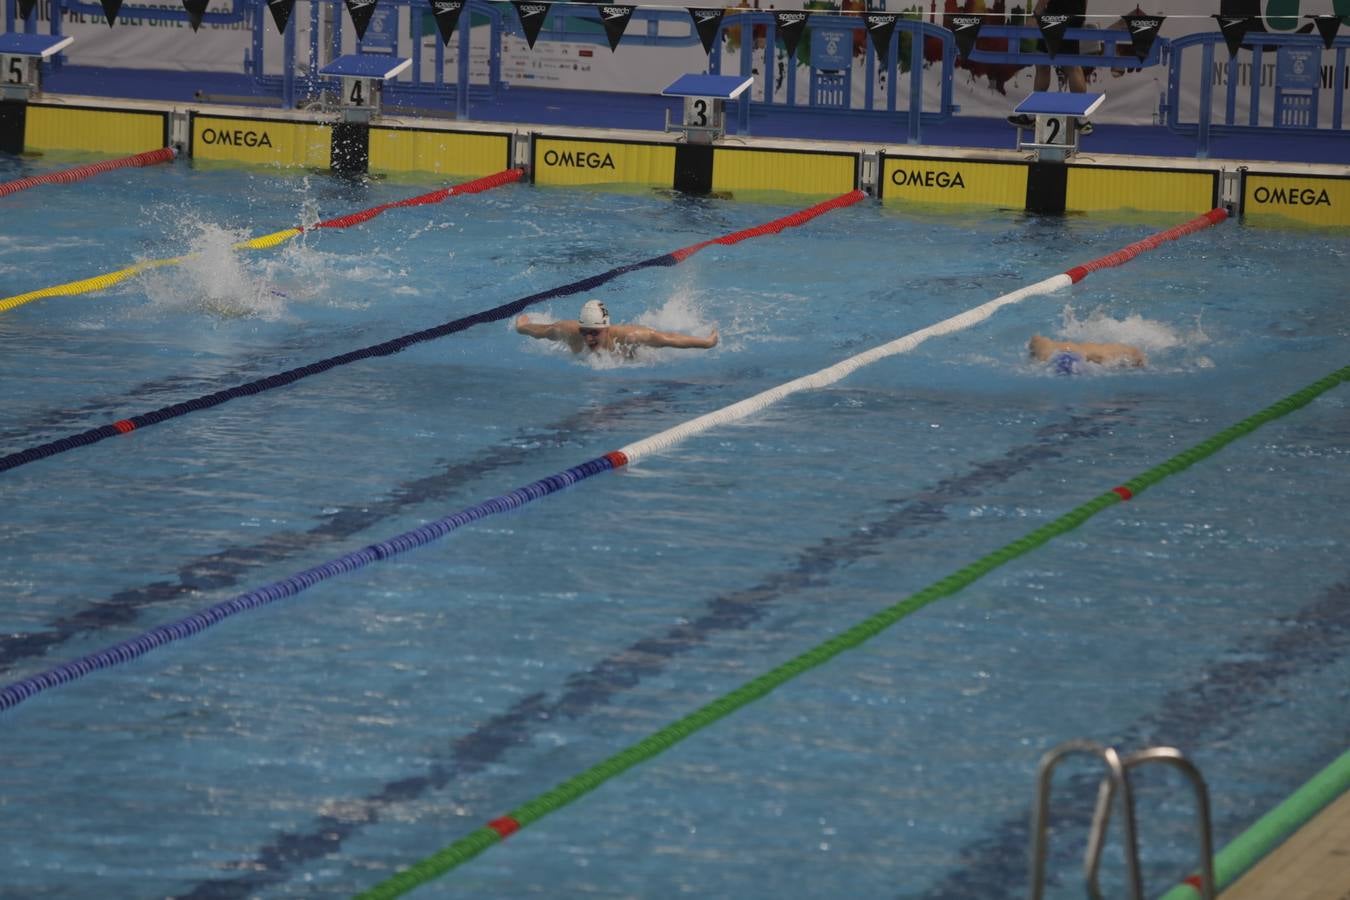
pixel 108 279
pixel 79 173
pixel 13 694
pixel 497 830
pixel 390 347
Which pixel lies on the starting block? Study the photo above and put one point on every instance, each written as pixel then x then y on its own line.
pixel 1057 113
pixel 363 77
pixel 705 98
pixel 20 56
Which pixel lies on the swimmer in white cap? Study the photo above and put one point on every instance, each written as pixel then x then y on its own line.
pixel 591 333
pixel 1067 357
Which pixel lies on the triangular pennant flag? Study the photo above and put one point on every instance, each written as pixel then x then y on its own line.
pixel 965 29
pixel 1143 29
pixel 110 8
pixel 446 14
pixel 881 26
pixel 360 11
pixel 1234 29
pixel 1052 29
pixel 706 22
pixel 26 8
pixel 615 19
pixel 790 27
pixel 532 16
pixel 1327 26
pixel 195 10
pixel 281 12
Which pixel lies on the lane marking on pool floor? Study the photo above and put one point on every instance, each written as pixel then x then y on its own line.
pixel 498 829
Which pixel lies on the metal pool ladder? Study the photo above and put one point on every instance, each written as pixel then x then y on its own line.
pixel 1116 782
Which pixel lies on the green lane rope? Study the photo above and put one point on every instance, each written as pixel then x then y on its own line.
pixel 1272 829
pixel 474 843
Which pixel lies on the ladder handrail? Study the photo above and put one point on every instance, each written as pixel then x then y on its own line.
pixel 1118 780
pixel 1102 814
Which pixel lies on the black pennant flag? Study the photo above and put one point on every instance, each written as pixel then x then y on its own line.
pixel 1143 30
pixel 790 27
pixel 881 26
pixel 26 8
pixel 1327 26
pixel 1234 29
pixel 1052 29
pixel 110 8
pixel 706 22
pixel 532 16
pixel 281 12
pixel 446 14
pixel 360 11
pixel 615 19
pixel 195 10
pixel 965 29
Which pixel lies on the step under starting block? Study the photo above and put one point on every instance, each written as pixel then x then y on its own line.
pixel 20 56
pixel 1057 113
pixel 705 98
pixel 363 76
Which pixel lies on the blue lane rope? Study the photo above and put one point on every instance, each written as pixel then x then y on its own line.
pixel 17 692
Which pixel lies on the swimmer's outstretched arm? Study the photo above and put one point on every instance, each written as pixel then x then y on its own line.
pixel 650 337
pixel 553 331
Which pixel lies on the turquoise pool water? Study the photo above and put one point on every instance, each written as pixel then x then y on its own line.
pixel 313 747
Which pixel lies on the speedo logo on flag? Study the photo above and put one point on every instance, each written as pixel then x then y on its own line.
pixel 791 18
pixel 964 22
pixel 614 12
pixel 531 9
pixel 359 4
pixel 1141 25
pixel 705 16
pixel 1054 20
pixel 442 6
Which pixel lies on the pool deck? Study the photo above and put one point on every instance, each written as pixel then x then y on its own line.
pixel 1313 864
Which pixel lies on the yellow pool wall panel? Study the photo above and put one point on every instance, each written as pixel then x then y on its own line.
pixel 957 182
pixel 470 154
pixel 94 130
pixel 796 171
pixel 1308 199
pixel 1100 188
pixel 268 142
pixel 573 162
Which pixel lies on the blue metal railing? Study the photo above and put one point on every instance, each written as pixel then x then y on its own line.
pixel 1257 47
pixel 913 32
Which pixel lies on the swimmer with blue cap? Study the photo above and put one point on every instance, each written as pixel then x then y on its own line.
pixel 1069 357
pixel 591 332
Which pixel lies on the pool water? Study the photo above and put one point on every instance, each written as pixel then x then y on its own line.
pixel 315 746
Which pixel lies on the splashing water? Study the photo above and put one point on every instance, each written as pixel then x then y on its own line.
pixel 214 278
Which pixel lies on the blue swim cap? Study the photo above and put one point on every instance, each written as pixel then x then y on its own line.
pixel 1066 362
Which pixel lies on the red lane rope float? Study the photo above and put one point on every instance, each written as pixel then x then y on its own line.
pixel 476 186
pixel 1152 242
pixel 390 347
pixel 79 173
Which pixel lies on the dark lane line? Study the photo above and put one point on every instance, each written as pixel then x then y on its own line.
pixel 584 691
pixel 226 568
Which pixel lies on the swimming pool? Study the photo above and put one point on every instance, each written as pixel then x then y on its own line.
pixel 312 747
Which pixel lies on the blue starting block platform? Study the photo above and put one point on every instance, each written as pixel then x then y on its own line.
pixel 363 76
pixel 705 98
pixel 1056 115
pixel 20 55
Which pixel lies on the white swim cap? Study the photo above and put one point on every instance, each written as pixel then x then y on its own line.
pixel 593 315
